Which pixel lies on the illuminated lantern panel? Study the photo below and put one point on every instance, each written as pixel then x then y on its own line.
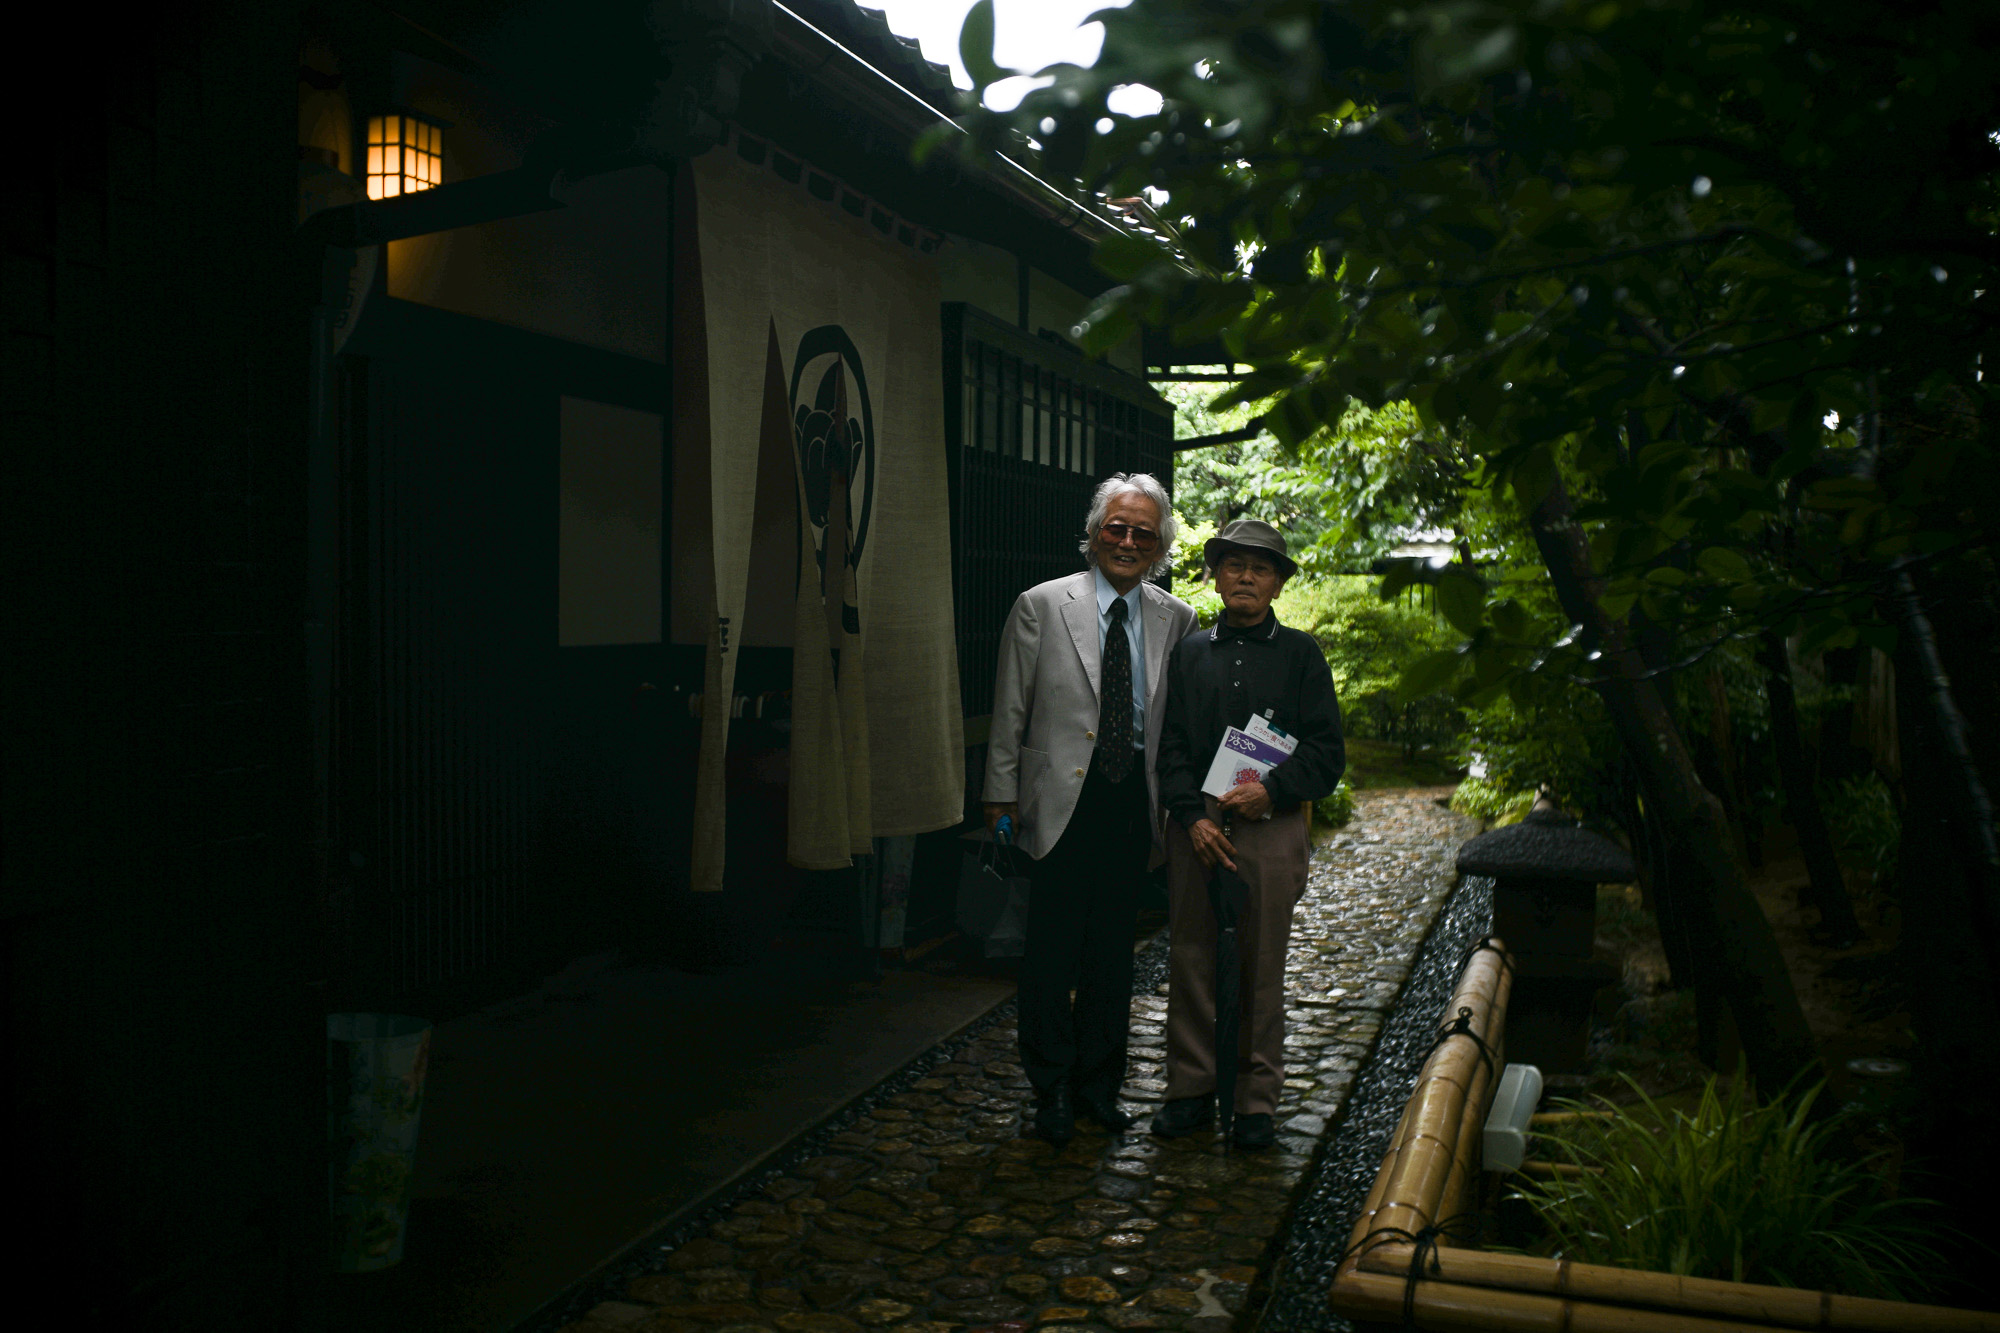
pixel 405 155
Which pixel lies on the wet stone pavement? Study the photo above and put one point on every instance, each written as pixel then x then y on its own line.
pixel 926 1211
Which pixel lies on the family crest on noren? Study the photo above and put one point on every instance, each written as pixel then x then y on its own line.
pixel 1113 716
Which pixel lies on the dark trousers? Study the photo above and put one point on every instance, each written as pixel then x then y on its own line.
pixel 1082 908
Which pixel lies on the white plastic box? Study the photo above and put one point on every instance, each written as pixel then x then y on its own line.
pixel 1504 1146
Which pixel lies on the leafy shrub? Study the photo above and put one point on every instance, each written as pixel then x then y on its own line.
pixel 1561 740
pixel 1738 1190
pixel 1866 826
pixel 1336 809
pixel 1189 585
pixel 1482 798
pixel 1432 722
pixel 1367 643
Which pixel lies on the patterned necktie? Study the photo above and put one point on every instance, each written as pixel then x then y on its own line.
pixel 1114 710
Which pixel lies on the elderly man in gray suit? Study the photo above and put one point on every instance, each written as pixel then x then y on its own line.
pixel 1077 708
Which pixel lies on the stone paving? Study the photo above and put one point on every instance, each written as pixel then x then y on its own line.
pixel 929 1213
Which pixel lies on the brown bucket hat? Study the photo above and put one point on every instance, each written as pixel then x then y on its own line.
pixel 1249 534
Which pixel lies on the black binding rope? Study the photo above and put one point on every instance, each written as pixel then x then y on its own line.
pixel 1488 942
pixel 1424 1243
pixel 1462 1027
pixel 1425 1247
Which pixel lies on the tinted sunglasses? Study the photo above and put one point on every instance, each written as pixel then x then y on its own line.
pixel 1143 538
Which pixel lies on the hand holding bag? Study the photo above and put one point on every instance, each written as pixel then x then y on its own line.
pixel 993 900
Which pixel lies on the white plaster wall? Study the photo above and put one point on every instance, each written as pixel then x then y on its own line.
pixel 609 504
pixel 594 272
pixel 985 276
pixel 979 275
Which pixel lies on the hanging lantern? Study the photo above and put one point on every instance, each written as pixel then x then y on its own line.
pixel 405 154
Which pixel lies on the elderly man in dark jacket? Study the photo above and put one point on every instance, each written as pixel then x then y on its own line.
pixel 1217 677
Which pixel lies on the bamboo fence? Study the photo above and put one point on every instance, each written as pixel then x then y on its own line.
pixel 1427 1173
pixel 1556 1281
pixel 1425 1167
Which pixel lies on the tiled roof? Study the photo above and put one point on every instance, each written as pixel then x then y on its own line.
pixel 866 33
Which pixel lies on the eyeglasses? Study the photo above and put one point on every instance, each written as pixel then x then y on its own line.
pixel 1236 566
pixel 1143 538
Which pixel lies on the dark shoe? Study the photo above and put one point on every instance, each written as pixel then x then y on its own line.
pixel 1184 1115
pixel 1104 1110
pixel 1055 1118
pixel 1254 1132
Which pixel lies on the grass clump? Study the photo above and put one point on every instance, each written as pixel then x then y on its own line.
pixel 1336 809
pixel 1738 1190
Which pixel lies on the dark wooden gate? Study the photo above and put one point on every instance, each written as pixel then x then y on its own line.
pixel 487 812
pixel 1033 428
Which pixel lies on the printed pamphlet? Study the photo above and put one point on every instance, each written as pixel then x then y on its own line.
pixel 1246 755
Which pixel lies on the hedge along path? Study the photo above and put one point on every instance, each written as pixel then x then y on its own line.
pixel 929 1213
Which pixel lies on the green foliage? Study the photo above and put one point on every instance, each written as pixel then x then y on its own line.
pixel 1697 261
pixel 1374 765
pixel 1867 828
pixel 1737 1190
pixel 1336 809
pixel 1483 799
pixel 1560 740
pixel 1250 478
pixel 1368 643
pixel 1346 496
pixel 1189 584
pixel 1717 276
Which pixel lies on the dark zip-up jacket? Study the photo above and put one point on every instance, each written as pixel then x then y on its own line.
pixel 1216 678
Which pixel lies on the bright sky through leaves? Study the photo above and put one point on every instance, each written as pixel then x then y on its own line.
pixel 1028 34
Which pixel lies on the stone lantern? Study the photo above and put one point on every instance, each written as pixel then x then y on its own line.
pixel 1546 871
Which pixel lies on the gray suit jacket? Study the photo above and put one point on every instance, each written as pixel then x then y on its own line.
pixel 1045 702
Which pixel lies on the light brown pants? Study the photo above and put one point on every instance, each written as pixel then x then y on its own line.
pixel 1271 857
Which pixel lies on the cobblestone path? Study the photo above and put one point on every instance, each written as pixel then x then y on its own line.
pixel 927 1212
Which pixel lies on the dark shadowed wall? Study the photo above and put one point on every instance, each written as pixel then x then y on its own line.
pixel 162 1057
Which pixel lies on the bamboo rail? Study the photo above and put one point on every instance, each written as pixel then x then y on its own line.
pixel 1567 1117
pixel 1763 1306
pixel 1557 1170
pixel 1424 1178
pixel 1424 1150
pixel 1470 1140
pixel 1449 1307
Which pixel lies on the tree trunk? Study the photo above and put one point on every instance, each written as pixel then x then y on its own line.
pixel 1735 793
pixel 1947 967
pixel 1840 759
pixel 1657 880
pixel 1964 787
pixel 1736 953
pixel 1826 890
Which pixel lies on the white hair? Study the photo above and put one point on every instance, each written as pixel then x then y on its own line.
pixel 1122 483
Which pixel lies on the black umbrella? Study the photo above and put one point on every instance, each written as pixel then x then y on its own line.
pixel 1228 896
